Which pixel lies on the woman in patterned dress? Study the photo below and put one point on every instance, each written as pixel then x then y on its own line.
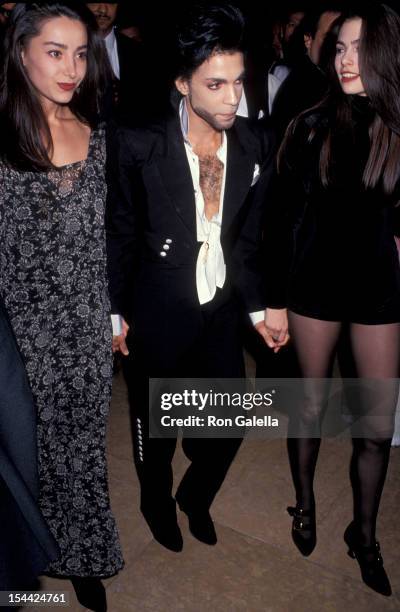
pixel 53 274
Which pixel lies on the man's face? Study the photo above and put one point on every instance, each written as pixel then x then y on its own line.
pixel 314 45
pixel 105 13
pixel 214 90
pixel 293 21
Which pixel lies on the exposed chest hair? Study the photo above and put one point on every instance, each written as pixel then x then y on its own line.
pixel 211 175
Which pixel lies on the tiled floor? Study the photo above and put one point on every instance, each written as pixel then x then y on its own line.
pixel 254 567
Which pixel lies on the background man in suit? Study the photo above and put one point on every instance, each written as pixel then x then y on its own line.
pixel 134 95
pixel 186 200
pixel 268 59
pixel 307 83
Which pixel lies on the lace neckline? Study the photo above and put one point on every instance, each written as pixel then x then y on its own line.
pixel 79 162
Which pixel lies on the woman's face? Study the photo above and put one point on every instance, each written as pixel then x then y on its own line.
pixel 56 60
pixel 346 60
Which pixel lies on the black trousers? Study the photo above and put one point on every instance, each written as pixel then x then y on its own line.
pixel 216 352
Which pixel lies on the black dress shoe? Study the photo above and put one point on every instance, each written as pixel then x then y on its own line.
pixel 90 593
pixel 370 561
pixel 304 533
pixel 201 525
pixel 165 529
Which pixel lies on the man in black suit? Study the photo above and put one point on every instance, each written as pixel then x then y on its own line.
pixel 134 95
pixel 186 201
pixel 307 83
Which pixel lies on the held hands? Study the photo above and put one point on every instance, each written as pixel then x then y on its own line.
pixel 118 342
pixel 274 328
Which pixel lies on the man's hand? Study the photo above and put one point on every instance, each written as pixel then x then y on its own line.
pixel 274 328
pixel 118 342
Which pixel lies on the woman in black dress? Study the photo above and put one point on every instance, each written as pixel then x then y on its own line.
pixel 342 162
pixel 53 274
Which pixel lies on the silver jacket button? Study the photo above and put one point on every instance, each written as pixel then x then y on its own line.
pixel 168 241
pixel 163 254
pixel 166 247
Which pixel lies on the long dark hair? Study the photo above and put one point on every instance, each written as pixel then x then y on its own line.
pixel 379 60
pixel 26 137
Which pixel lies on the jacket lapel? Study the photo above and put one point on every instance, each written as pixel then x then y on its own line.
pixel 177 179
pixel 239 175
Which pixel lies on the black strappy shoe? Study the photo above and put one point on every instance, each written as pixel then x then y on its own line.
pixel 304 533
pixel 370 561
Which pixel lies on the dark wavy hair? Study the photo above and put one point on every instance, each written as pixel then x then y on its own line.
pixel 204 30
pixel 26 137
pixel 379 60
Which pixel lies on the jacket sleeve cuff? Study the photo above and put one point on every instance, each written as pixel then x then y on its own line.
pixel 116 322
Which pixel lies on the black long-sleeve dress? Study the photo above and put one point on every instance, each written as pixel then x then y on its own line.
pixel 344 264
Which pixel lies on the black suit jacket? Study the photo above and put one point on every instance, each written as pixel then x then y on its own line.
pixel 151 200
pixel 305 85
pixel 143 89
pixel 26 544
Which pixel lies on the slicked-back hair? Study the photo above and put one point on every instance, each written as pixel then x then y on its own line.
pixel 379 62
pixel 207 29
pixel 26 138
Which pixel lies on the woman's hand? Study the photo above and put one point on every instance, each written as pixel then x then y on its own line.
pixel 274 328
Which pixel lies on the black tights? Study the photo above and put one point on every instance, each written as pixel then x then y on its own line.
pixel 376 350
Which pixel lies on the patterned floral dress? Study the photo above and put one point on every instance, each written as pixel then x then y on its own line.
pixel 53 281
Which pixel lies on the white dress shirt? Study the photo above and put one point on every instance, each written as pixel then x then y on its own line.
pixel 243 109
pixel 276 75
pixel 112 52
pixel 210 267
